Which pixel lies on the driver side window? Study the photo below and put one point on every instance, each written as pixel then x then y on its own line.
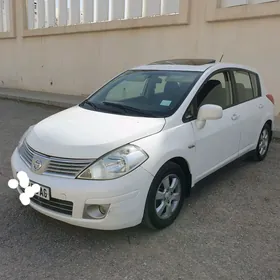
pixel 217 90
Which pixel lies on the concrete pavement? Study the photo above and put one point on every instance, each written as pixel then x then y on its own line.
pixel 228 229
pixel 66 101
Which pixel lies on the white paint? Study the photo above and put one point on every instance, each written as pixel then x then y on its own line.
pixel 24 182
pixel 210 112
pixel 36 188
pixel 22 175
pixel 13 184
pixel 94 141
pixel 24 199
pixel 29 190
pixel 23 179
pixel 62 12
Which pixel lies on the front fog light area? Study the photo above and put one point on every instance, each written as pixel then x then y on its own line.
pixel 96 211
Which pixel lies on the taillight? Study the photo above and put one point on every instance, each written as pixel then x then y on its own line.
pixel 270 97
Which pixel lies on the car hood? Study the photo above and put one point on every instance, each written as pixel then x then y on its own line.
pixel 82 133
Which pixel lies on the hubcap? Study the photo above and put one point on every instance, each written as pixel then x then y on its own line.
pixel 264 140
pixel 168 196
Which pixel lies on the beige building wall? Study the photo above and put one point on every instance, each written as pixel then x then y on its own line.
pixel 79 62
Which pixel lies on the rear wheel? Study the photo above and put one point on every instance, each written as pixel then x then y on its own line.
pixel 263 143
pixel 166 197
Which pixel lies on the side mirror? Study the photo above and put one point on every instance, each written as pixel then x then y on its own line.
pixel 208 112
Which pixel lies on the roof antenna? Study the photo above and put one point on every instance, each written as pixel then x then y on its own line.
pixel 221 57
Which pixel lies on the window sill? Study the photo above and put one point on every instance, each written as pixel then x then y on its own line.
pixel 215 14
pixel 166 20
pixel 7 35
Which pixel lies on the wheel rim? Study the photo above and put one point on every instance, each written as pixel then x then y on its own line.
pixel 168 196
pixel 264 141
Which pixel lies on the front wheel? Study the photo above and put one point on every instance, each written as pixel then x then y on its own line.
pixel 166 197
pixel 263 143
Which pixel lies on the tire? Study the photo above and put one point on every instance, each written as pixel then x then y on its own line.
pixel 162 212
pixel 263 143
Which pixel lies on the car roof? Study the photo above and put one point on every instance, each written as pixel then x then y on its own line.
pixel 199 65
pixel 184 61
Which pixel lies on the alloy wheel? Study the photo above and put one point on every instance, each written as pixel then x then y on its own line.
pixel 168 196
pixel 264 142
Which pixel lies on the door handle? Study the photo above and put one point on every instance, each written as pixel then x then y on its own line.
pixel 234 117
pixel 260 106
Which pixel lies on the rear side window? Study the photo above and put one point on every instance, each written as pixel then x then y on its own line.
pixel 244 87
pixel 256 84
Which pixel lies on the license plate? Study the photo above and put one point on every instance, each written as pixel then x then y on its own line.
pixel 44 193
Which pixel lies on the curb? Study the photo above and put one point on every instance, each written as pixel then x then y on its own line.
pixel 58 100
pixel 59 104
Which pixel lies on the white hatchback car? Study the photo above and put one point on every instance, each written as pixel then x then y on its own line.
pixel 132 151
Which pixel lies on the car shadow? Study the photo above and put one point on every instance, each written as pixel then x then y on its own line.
pixel 207 184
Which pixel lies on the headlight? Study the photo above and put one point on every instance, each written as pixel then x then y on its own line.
pixel 25 135
pixel 115 164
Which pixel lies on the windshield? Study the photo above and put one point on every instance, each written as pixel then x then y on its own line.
pixel 143 93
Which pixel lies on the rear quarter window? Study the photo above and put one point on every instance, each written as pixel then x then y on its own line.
pixel 256 84
pixel 244 87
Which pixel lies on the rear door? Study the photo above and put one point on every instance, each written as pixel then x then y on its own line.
pixel 250 105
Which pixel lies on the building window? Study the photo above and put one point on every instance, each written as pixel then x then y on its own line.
pixel 226 10
pixel 50 13
pixel 234 3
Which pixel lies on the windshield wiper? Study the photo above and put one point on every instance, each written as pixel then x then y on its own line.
pixel 92 105
pixel 127 109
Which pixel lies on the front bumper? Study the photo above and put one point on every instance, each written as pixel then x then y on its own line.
pixel 126 197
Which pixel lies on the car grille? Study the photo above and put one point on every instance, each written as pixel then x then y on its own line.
pixel 54 166
pixel 54 204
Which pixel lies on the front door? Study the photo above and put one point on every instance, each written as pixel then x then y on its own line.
pixel 217 143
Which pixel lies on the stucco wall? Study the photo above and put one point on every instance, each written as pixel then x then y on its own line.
pixel 78 63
